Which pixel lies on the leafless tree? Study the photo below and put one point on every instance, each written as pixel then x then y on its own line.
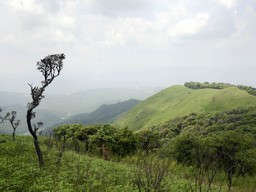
pixel 50 67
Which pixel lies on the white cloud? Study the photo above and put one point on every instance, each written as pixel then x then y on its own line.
pixel 63 20
pixel 9 38
pixel 190 26
pixel 131 37
pixel 228 3
pixel 113 38
pixel 26 5
pixel 61 36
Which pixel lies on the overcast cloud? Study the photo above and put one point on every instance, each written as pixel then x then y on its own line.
pixel 128 43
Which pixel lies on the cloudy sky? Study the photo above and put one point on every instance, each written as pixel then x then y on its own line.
pixel 128 43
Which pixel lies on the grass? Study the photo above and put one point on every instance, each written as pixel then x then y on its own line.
pixel 19 171
pixel 178 101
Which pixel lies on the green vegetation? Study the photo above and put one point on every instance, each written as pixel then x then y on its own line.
pixel 242 119
pixel 197 152
pixel 178 101
pixel 211 149
pixel 198 85
pixel 19 170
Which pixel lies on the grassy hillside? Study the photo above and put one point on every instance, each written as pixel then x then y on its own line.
pixel 170 164
pixel 19 171
pixel 179 101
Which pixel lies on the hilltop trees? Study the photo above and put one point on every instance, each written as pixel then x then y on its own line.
pixel 50 67
pixel 205 85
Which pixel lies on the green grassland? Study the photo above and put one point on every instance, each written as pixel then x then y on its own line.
pixel 19 171
pixel 178 101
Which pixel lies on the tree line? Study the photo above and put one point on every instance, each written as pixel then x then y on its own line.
pixel 198 85
pixel 105 139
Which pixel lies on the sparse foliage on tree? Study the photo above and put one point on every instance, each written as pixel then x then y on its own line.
pixel 14 123
pixel 11 117
pixel 50 67
pixel 2 118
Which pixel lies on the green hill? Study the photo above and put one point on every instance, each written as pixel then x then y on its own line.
pixel 178 101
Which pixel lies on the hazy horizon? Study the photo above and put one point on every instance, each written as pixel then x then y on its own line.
pixel 135 43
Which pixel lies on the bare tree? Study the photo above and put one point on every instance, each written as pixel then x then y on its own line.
pixel 50 67
pixel 14 123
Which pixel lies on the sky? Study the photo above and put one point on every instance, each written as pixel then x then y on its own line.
pixel 128 43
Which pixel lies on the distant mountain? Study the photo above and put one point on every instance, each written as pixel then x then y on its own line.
pixel 67 105
pixel 104 114
pixel 45 116
pixel 178 101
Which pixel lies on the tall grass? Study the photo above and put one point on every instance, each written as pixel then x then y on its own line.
pixel 19 171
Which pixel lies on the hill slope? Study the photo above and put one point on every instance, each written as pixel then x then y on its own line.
pixel 104 114
pixel 178 101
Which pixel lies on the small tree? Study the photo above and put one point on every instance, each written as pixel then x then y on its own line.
pixel 231 148
pixel 14 123
pixel 104 139
pixel 149 173
pixel 149 140
pixel 2 119
pixel 50 67
pixel 125 142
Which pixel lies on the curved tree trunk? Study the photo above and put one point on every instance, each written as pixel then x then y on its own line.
pixel 36 143
pixel 50 68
